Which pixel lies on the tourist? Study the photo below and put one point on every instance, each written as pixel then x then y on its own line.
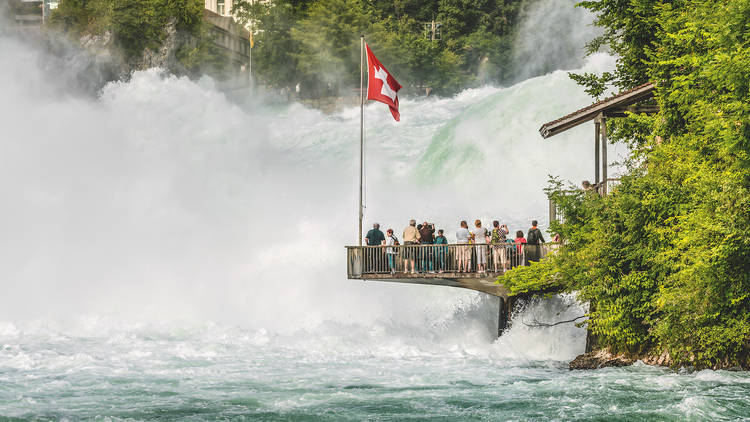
pixel 480 240
pixel 440 250
pixel 411 239
pixel 375 237
pixel 556 242
pixel 534 238
pixel 390 251
pixel 510 251
pixel 520 249
pixel 426 237
pixel 497 239
pixel 463 254
pixel 374 257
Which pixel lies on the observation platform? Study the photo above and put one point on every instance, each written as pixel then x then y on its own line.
pixel 438 265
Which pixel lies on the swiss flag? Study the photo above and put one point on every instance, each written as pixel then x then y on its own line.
pixel 381 86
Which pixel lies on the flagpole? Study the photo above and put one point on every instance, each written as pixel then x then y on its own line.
pixel 361 128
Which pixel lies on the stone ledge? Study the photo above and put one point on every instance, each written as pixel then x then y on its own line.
pixel 600 359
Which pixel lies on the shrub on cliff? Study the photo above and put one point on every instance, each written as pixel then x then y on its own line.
pixel 135 24
pixel 665 258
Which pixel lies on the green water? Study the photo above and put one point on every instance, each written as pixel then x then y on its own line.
pixel 222 373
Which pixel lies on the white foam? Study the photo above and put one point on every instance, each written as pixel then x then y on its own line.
pixel 162 203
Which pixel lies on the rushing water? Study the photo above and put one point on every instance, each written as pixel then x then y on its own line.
pixel 171 254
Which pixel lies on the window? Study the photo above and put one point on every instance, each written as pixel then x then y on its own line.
pixel 220 7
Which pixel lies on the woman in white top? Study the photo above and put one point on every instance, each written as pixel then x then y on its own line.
pixel 463 253
pixel 389 251
pixel 480 239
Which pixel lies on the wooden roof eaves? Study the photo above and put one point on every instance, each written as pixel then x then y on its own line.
pixel 590 112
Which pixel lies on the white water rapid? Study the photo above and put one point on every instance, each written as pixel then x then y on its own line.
pixel 169 254
pixel 162 202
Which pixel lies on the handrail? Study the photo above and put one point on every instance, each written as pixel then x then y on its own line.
pixel 455 258
pixel 603 187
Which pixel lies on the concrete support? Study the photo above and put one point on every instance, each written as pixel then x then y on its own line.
pixel 502 317
pixel 505 313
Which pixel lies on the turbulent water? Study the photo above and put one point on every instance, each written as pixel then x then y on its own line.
pixel 171 254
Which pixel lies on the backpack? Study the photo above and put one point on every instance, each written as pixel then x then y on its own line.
pixel 533 236
pixel 395 241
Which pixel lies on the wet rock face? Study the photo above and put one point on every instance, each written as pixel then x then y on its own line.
pixel 604 358
pixel 660 360
pixel 600 359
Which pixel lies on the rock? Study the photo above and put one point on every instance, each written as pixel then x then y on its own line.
pixel 600 359
pixel 661 360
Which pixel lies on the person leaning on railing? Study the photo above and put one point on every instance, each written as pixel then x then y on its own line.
pixel 411 239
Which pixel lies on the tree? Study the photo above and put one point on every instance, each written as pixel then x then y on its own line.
pixel 665 258
pixel 328 39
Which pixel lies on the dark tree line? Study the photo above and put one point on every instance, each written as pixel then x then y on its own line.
pixel 316 43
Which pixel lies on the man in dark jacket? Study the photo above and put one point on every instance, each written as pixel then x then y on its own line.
pixel 533 239
pixel 375 237
pixel 427 237
pixel 375 257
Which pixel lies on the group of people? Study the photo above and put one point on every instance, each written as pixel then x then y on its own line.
pixel 429 260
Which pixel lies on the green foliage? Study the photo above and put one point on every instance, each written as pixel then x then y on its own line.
pixel 135 24
pixel 273 60
pixel 665 258
pixel 538 277
pixel 316 43
pixel 595 85
pixel 328 41
pixel 630 30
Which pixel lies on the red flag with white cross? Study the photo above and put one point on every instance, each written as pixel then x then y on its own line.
pixel 381 85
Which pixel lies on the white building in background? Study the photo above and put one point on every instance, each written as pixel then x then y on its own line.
pixel 221 7
pixel 224 7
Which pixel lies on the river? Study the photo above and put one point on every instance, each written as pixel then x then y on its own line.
pixel 173 254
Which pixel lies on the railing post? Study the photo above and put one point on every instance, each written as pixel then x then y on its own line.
pixel 597 132
pixel 604 155
pixel 552 211
pixel 355 262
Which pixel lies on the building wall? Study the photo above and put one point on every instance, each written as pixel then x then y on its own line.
pixel 226 5
pixel 221 7
pixel 231 38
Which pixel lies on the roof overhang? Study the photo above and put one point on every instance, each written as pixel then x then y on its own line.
pixel 615 106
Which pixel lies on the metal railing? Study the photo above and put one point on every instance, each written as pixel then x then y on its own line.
pixel 603 188
pixel 606 186
pixel 441 259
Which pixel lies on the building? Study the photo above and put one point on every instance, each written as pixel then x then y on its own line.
pixel 220 7
pixel 26 12
pixel 224 8
pixel 232 39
